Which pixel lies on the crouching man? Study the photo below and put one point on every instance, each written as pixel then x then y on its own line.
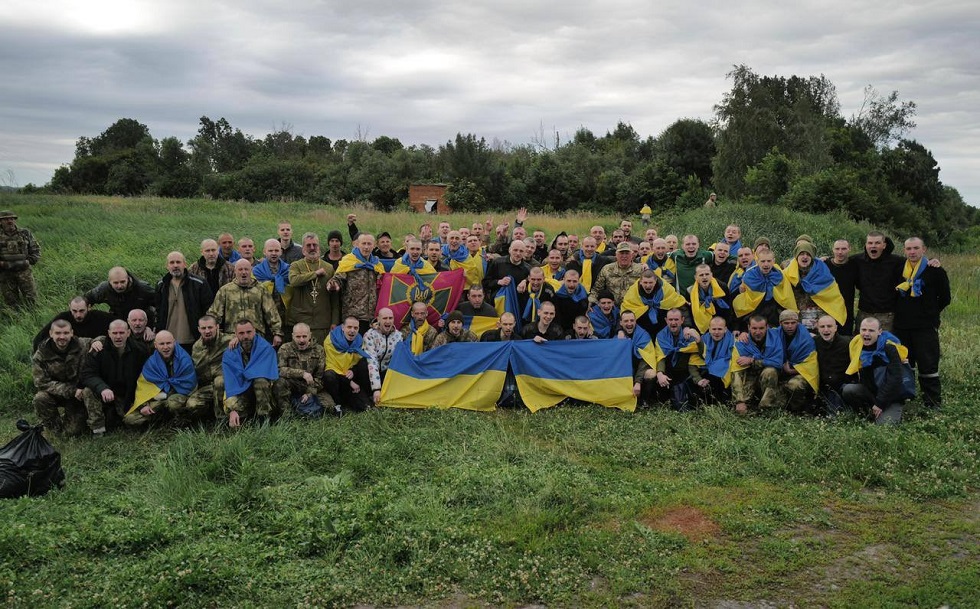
pixel 250 370
pixel 301 365
pixel 161 392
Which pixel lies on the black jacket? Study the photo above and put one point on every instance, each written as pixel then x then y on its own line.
pixel 923 311
pixel 138 295
pixel 108 369
pixel 197 299
pixel 877 278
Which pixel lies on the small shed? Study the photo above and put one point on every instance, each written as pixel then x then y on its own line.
pixel 428 198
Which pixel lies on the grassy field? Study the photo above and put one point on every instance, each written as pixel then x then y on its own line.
pixel 569 506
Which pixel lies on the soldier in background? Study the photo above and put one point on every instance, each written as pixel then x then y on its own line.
pixel 19 251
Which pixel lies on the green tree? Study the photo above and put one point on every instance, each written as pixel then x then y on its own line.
pixel 688 146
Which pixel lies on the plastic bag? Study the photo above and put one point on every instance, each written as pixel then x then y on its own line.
pixel 29 465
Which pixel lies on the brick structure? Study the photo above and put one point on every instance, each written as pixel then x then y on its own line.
pixel 429 198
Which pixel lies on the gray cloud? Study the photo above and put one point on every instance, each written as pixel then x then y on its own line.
pixel 422 71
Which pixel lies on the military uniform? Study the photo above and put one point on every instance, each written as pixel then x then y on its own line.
pixel 617 280
pixel 293 362
pixel 57 377
pixel 360 293
pixel 251 301
pixel 19 251
pixel 210 383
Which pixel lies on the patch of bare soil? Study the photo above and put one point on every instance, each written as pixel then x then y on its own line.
pixel 689 521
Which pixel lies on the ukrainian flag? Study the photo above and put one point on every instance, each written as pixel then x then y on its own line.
pixel 801 353
pixel 506 301
pixel 644 347
pixel 155 377
pixel 596 371
pixel 457 375
pixel 761 287
pixel 479 324
pixel 861 358
pixel 820 286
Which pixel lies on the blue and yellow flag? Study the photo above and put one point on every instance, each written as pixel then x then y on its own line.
pixel 644 347
pixel 505 301
pixel 603 326
pixel 801 353
pixel 705 304
pixel 670 347
pixel 357 260
pixel 596 371
pixel 820 286
pixel 772 357
pixel 263 363
pixel 457 375
pixel 663 299
pixel 667 270
pixel 342 354
pixel 479 324
pixel 406 265
pixel 912 286
pixel 861 358
pixel 277 283
pixel 718 356
pixel 155 377
pixel 761 287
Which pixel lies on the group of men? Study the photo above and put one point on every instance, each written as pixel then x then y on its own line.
pixel 236 336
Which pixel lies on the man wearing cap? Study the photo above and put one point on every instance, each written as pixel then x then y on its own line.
pixel 19 251
pixel 617 278
pixel 383 249
pixel 454 332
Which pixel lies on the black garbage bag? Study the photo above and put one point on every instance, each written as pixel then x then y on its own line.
pixel 29 465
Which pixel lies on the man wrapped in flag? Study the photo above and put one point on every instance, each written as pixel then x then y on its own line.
pixel 650 298
pixel 877 358
pixel 351 376
pixel 717 345
pixel 272 273
pixel 660 262
pixel 604 315
pixel 554 268
pixel 532 293
pixel 250 369
pixel 764 290
pixel 358 273
pixel 708 299
pixel 800 374
pixel 571 300
pixel 476 265
pixel 168 378
pixel 744 260
pixel 756 363
pixel 676 349
pixel 417 333
pixel 814 287
pixel 644 356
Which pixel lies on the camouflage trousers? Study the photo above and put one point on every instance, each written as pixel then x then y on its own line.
pixel 287 389
pixel 259 401
pixel 103 415
pixel 171 408
pixel 775 389
pixel 205 401
pixel 17 287
pixel 48 408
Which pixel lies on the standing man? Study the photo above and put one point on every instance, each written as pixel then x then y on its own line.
pixel 291 252
pixel 310 280
pixel 506 269
pixel 123 292
pixel 272 272
pixel 922 296
pixel 246 299
pixel 211 267
pixel 687 260
pixel 19 251
pixel 226 245
pixel 85 321
pixel 844 270
pixel 246 250
pixel 182 299
pixel 358 273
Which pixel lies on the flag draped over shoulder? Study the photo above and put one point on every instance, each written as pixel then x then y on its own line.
pixel 155 377
pixel 357 260
pixel 801 353
pixel 667 270
pixel 706 303
pixel 718 356
pixel 820 286
pixel 670 347
pixel 602 325
pixel 277 283
pixel 586 277
pixel 862 359
pixel 457 375
pixel 772 357
pixel 596 371
pixel 644 347
pixel 912 286
pixel 665 298
pixel 761 287
pixel 263 364
pixel 440 291
pixel 343 354
pixel 474 268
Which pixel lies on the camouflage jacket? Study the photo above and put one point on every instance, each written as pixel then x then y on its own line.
pixel 207 359
pixel 360 293
pixel 616 280
pixel 59 372
pixel 251 301
pixel 293 363
pixel 18 250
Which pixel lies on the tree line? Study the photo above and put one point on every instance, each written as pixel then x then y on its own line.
pixel 773 140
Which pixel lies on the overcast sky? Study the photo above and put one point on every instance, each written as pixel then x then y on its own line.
pixel 421 71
